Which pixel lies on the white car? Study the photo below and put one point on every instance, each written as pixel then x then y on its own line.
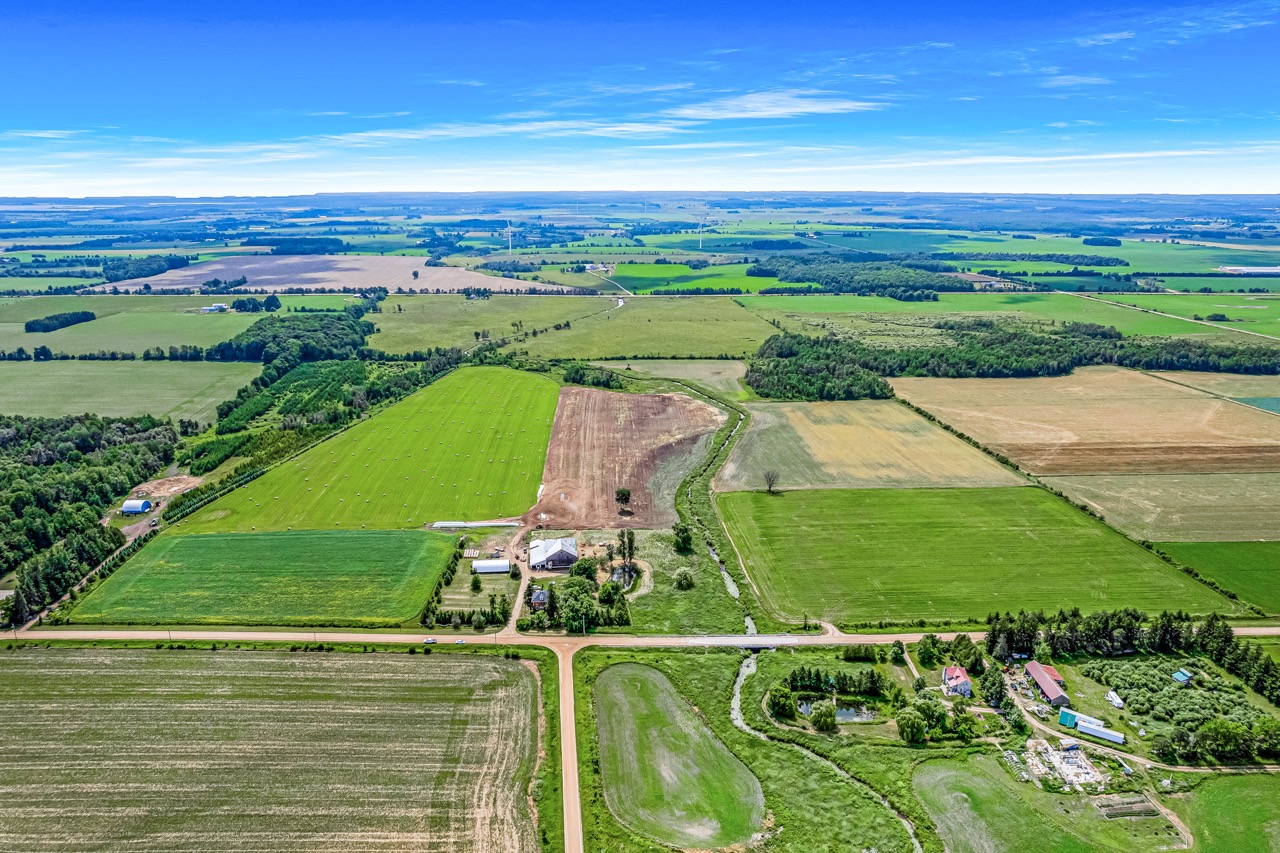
pixel 429 641
pixel 458 642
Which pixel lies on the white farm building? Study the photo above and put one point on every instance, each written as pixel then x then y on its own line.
pixel 553 553
pixel 136 507
pixel 491 567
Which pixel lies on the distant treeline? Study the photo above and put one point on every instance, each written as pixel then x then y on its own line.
pixel 299 245
pixel 59 321
pixel 123 269
pixel 793 366
pixel 1101 241
pixel 834 275
pixel 1053 258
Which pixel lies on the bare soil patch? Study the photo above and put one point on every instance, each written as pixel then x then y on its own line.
pixel 1103 420
pixel 863 444
pixel 604 440
pixel 166 487
pixel 321 272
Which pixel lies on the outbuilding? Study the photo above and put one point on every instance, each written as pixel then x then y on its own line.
pixel 491 567
pixel 1071 719
pixel 553 553
pixel 136 507
pixel 1100 732
pixel 1049 687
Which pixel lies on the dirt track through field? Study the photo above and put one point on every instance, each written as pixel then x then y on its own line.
pixel 1103 420
pixel 604 440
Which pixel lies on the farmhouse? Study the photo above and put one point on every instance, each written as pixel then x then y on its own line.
pixel 956 681
pixel 538 599
pixel 1049 686
pixel 491 567
pixel 553 553
pixel 135 507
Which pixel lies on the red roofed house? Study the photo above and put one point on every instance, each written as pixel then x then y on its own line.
pixel 956 681
pixel 1049 682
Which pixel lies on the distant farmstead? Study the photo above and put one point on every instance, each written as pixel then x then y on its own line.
pixel 956 681
pixel 553 553
pixel 1049 682
pixel 136 507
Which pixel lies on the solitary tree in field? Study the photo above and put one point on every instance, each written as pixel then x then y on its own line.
pixel 770 480
pixel 623 497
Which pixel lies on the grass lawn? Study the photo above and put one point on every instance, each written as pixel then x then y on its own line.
pixel 978 807
pixel 166 389
pixel 242 751
pixel 449 320
pixel 899 554
pixel 810 806
pixel 655 278
pixel 672 327
pixel 365 578
pixel 1060 307
pixel 665 773
pixel 1232 813
pixel 1249 569
pixel 469 447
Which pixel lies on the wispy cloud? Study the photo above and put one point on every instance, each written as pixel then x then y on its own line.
pixel 472 83
pixel 1103 38
pixel 772 104
pixel 1080 122
pixel 1067 80
pixel 41 134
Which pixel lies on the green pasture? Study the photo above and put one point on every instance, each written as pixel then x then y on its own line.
pixel 12 283
pixel 899 554
pixel 373 578
pixel 665 773
pixel 657 327
pixel 409 323
pixel 1249 569
pixel 1044 307
pixel 469 447
pixel 1223 283
pixel 1232 813
pixel 979 808
pixel 1252 312
pixel 655 278
pixel 165 389
pixel 720 375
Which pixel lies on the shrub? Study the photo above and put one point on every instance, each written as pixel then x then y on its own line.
pixel 684 579
pixel 823 716
pixel 782 702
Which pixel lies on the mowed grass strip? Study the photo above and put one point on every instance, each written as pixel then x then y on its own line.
pixel 165 389
pixel 470 447
pixel 361 578
pixel 1249 569
pixel 898 554
pixel 861 444
pixel 723 375
pixel 1182 507
pixel 145 750
pixel 667 775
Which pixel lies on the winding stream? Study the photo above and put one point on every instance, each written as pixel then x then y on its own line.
pixel 747 669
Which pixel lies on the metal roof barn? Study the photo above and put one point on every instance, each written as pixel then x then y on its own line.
pixel 136 507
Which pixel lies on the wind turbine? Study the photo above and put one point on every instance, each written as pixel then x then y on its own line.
pixel 510 253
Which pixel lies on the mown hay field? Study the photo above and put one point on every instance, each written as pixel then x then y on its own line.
pixel 409 323
pixel 1182 507
pixel 863 444
pixel 658 327
pixel 1249 569
pixel 1233 813
pixel 1251 312
pixel 666 775
pixel 233 751
pixel 470 447
pixel 1233 385
pixel 329 577
pixel 166 389
pixel 721 375
pixel 655 278
pixel 1103 420
pixel 897 554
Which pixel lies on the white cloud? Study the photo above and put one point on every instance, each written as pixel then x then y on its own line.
pixel 1066 80
pixel 1080 122
pixel 473 83
pixel 1103 38
pixel 773 104
pixel 40 134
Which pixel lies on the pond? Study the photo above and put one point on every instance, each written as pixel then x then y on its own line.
pixel 845 713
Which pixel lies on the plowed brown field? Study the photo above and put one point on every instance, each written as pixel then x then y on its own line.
pixel 604 440
pixel 1103 420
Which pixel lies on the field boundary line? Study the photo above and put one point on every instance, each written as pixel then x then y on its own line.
pixel 1163 314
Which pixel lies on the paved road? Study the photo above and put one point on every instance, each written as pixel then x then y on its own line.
pixel 564 647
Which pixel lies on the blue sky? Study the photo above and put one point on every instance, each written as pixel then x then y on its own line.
pixel 230 98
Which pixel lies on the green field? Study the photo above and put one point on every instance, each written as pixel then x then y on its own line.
pixel 721 375
pixel 899 554
pixel 241 751
pixel 1233 813
pixel 979 808
pixel 1249 569
pixel 9 284
pixel 666 775
pixel 450 320
pixel 470 447
pixel 1059 307
pixel 165 389
pixel 655 278
pixel 671 327
pixel 1221 283
pixel 365 578
pixel 1254 312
